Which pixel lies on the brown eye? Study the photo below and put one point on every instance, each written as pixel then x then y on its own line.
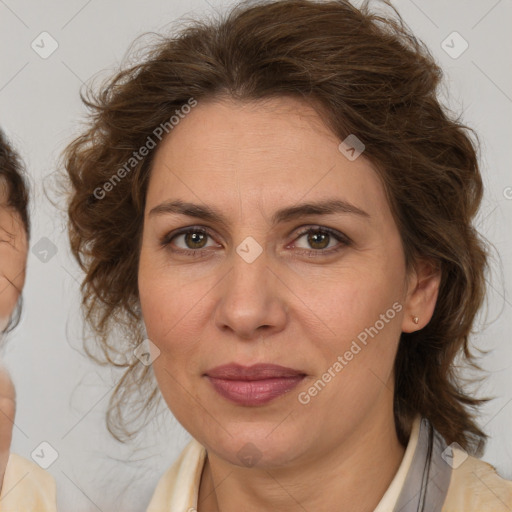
pixel 195 239
pixel 190 241
pixel 319 239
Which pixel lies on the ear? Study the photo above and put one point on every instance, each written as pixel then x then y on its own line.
pixel 422 292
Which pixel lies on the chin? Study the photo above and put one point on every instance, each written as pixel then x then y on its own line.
pixel 254 447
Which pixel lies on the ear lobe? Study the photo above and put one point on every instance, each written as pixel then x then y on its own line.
pixel 422 295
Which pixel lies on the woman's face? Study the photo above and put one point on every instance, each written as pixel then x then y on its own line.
pixel 13 257
pixel 257 288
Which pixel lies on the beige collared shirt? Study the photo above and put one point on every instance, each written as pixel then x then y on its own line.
pixel 474 485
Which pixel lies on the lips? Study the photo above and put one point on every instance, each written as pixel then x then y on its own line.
pixel 253 385
pixel 256 372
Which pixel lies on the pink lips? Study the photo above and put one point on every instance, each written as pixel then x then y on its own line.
pixel 253 385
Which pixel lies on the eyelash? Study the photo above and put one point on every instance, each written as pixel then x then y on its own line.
pixel 197 253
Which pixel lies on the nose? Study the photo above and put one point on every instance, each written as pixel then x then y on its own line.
pixel 251 299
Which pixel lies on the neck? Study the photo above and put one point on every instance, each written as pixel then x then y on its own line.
pixel 352 476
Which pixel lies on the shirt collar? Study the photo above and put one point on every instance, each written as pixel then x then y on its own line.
pixel 390 497
pixel 420 483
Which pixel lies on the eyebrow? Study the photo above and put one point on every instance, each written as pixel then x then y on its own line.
pixel 326 207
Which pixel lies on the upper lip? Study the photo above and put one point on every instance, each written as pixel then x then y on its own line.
pixel 259 371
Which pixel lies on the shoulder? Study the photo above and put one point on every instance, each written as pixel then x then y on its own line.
pixel 27 487
pixel 476 486
pixel 179 485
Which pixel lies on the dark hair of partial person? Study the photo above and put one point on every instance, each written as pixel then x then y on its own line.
pixel 367 74
pixel 13 178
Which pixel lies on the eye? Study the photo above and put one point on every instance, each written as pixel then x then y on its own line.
pixel 320 238
pixel 193 239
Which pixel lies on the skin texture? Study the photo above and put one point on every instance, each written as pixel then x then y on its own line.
pixel 7 413
pixel 339 451
pixel 13 258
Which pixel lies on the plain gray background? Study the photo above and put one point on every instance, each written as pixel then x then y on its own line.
pixel 61 395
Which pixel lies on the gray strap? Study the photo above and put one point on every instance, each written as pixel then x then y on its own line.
pixel 428 478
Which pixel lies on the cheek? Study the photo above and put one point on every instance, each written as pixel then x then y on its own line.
pixel 173 325
pixel 13 259
pixel 164 308
pixel 8 298
pixel 355 300
pixel 361 314
pixel 174 316
pixel 162 293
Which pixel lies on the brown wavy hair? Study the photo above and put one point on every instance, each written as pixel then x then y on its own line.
pixel 12 176
pixel 368 75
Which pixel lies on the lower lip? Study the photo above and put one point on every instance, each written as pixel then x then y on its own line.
pixel 254 392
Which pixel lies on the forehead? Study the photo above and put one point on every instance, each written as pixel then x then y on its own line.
pixel 276 150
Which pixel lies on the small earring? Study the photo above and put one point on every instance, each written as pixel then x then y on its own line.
pixel 416 320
